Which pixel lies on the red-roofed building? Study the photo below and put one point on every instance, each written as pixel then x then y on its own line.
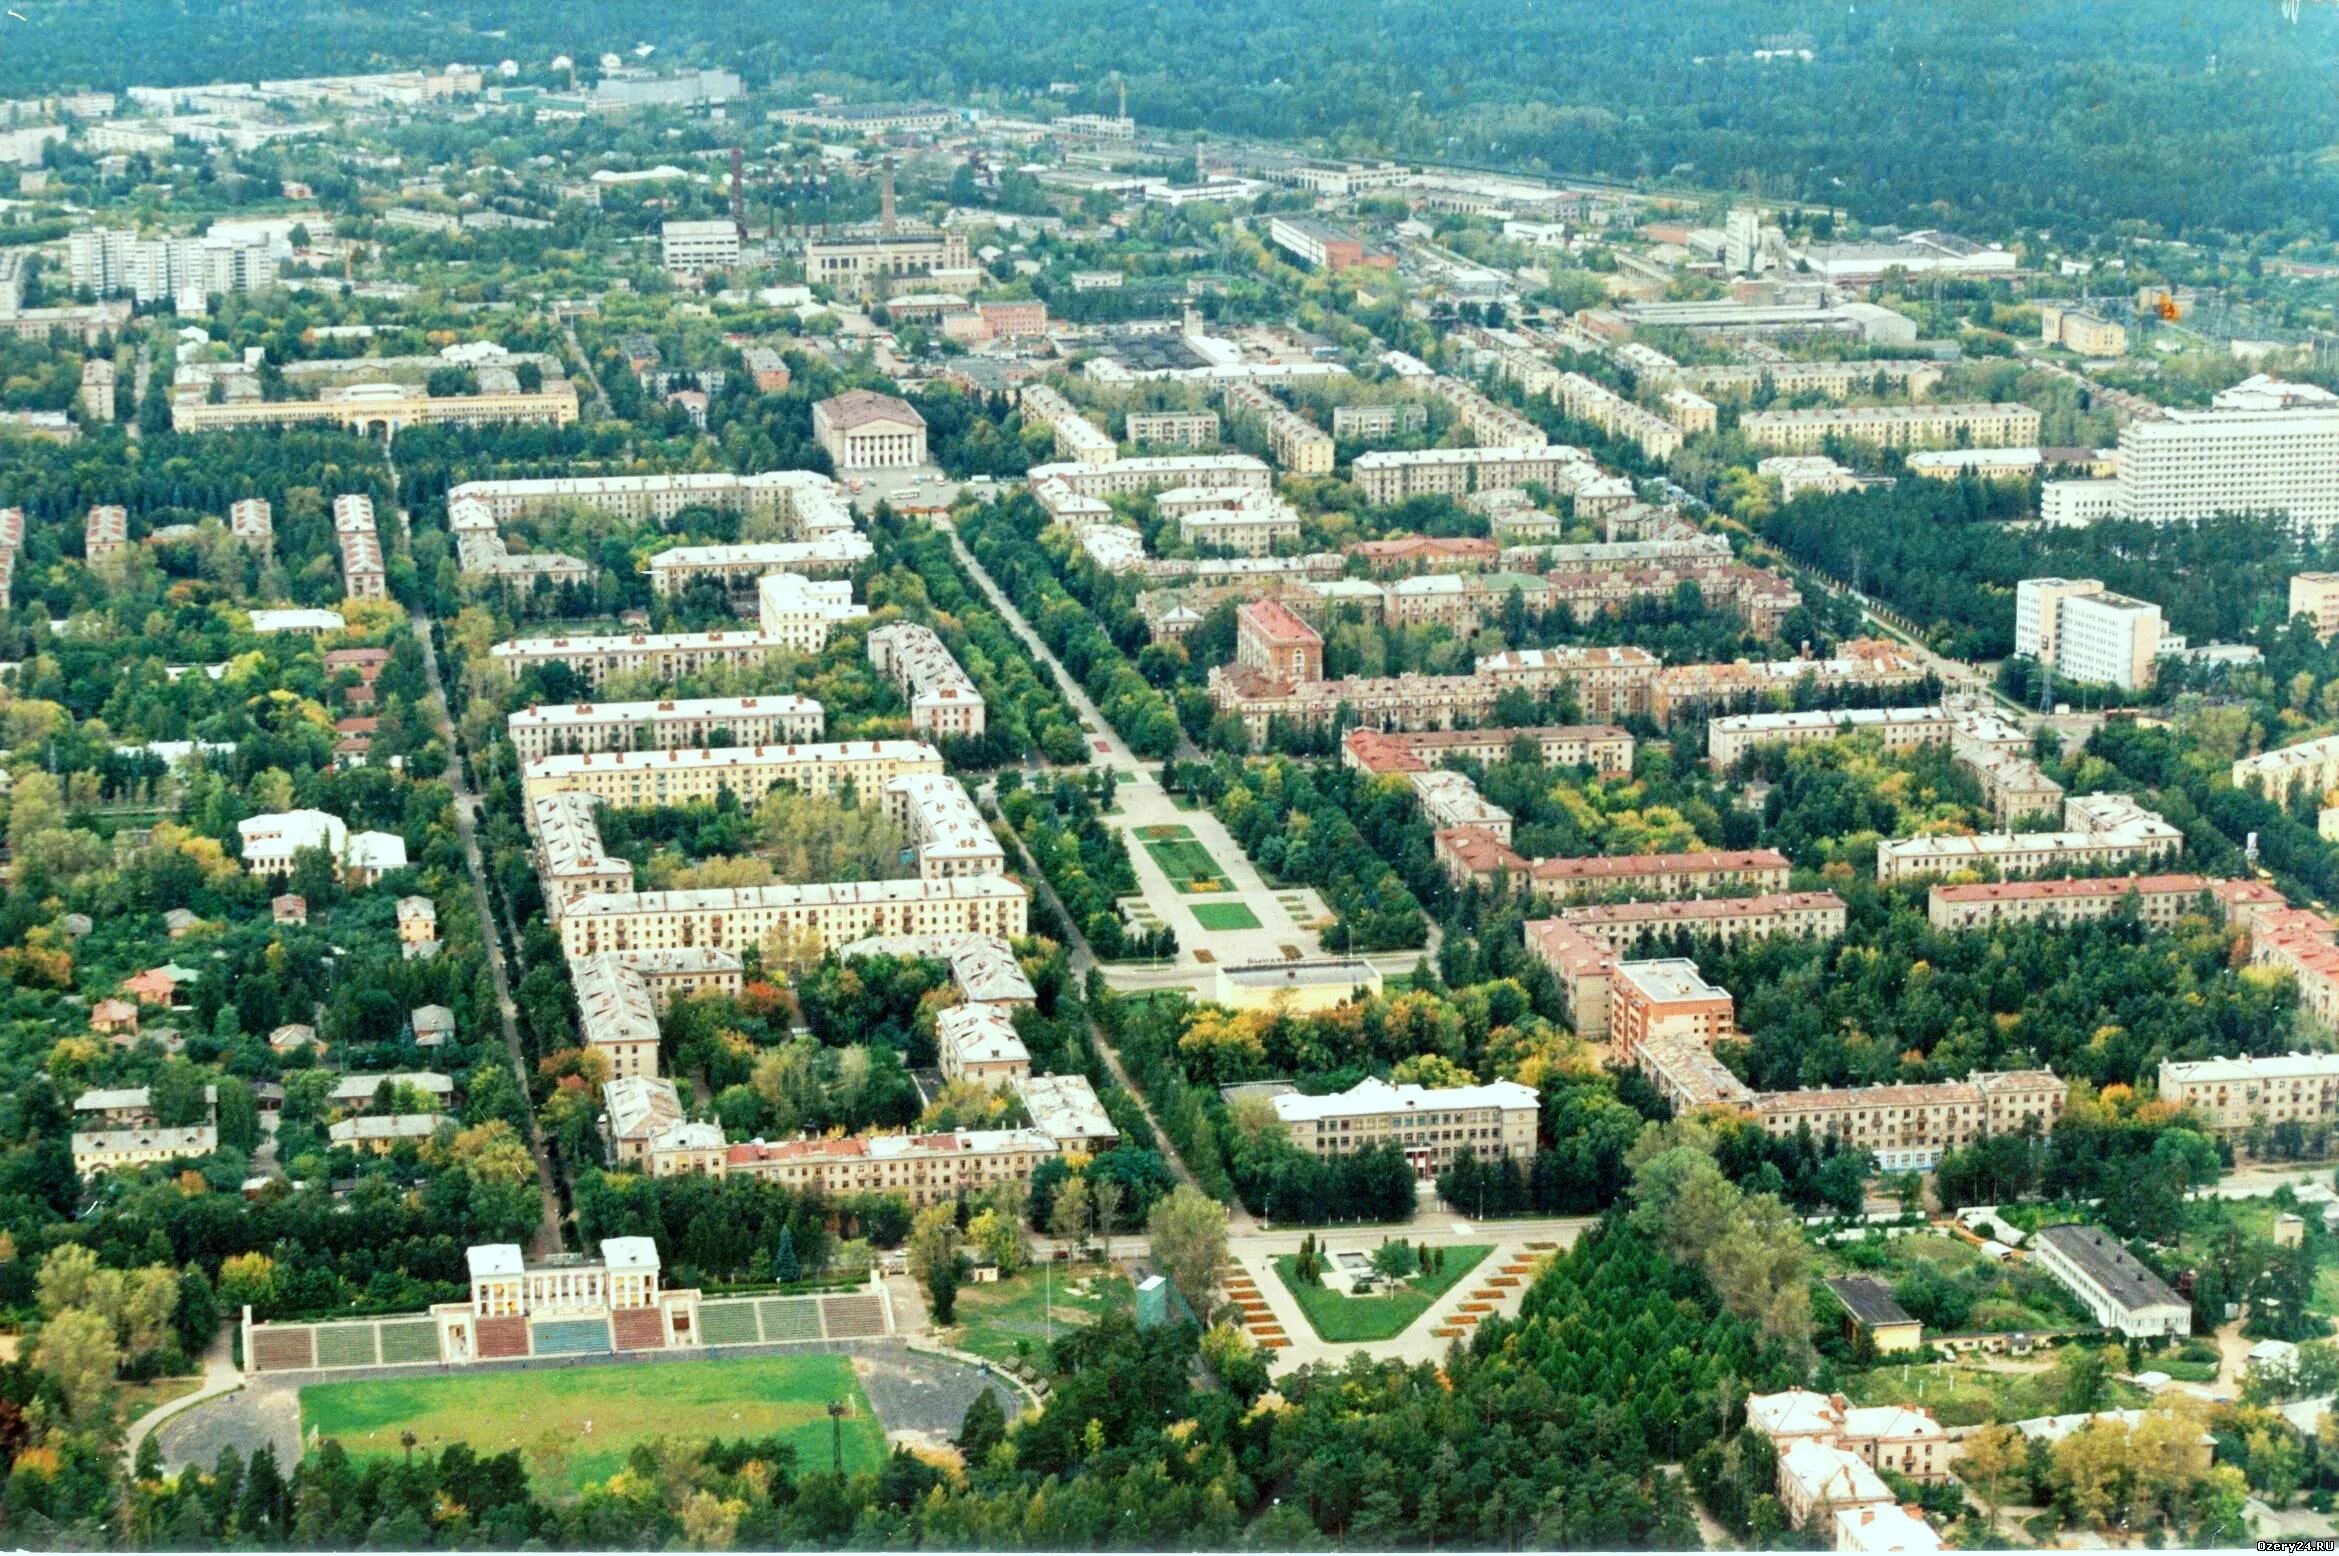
pixel 1269 636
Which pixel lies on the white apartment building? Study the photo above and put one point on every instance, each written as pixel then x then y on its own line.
pixel 1077 438
pixel 2073 503
pixel 1977 424
pixel 1089 479
pixel 539 731
pixel 796 612
pixel 671 655
pixel 1173 429
pixel 2234 1094
pixel 1392 475
pixel 2098 829
pixel 826 556
pixel 114 262
pixel 570 858
pixel 692 248
pixel 2316 596
pixel 631 779
pixel 943 700
pixel 949 833
pixel 2311 765
pixel 1297 444
pixel 829 916
pixel 2261 447
pixel 616 1016
pixel 2086 632
pixel 1248 528
pixel 813 505
pixel 978 1042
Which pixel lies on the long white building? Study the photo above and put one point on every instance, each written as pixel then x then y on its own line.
pixel 831 916
pixel 539 731
pixel 825 556
pixel 678 776
pixel 811 504
pixel 2261 447
pixel 942 698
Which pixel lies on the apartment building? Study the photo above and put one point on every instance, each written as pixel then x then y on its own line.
pixel 978 1042
pixel 695 247
pixel 1622 926
pixel 794 612
pixel 1173 429
pixel 669 655
pixel 2237 1094
pixel 114 262
pixel 1836 380
pixel 828 916
pixel 1404 555
pixel 865 430
pixel 1496 1121
pixel 2311 766
pixel 363 576
pixel 98 1151
pixel 1077 438
pixel 1464 603
pixel 1084 478
pixel 929 1169
pixel 2306 945
pixel 1857 662
pixel 1271 638
pixel 1376 423
pixel 681 775
pixel 616 1016
pixel 1297 444
pixel 2262 446
pixel 1760 597
pixel 1666 997
pixel 570 858
pixel 1587 400
pixel 1609 683
pixel 1903 1439
pixel 1392 475
pixel 1469 855
pixel 2316 596
pixel 1966 424
pixel 950 835
pixel 1494 425
pixel 1690 411
pixel 942 699
pixel 2098 828
pixel 811 505
pixel 829 556
pixel 2158 900
pixel 1584 969
pixel 1694 553
pixel 1909 1126
pixel 2086 632
pixel 252 521
pixel 1251 525
pixel 105 535
pixel 1605 748
pixel 382 410
pixel 97 391
pixel 782 719
pixel 2076 329
pixel 1897 729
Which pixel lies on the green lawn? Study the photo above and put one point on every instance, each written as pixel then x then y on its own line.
pixel 695 1400
pixel 1224 915
pixel 1187 863
pixel 1967 1394
pixel 1032 1306
pixel 1345 1320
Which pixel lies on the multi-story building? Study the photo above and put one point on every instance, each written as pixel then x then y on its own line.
pixel 1392 475
pixel 1252 525
pixel 113 1150
pixel 616 1016
pixel 810 505
pixel 1605 748
pixel 1373 423
pixel 978 1042
pixel 680 775
pixel 1762 597
pixel 828 556
pixel 1858 662
pixel 540 731
pixel 1321 244
pixel 2159 900
pixel 1665 998
pixel 1464 603
pixel 1690 411
pixel 797 613
pixel 1588 400
pixel 1173 429
pixel 1623 926
pixel 866 262
pixel 865 430
pixel 826 916
pixel 670 655
pixel 2311 766
pixel 2316 596
pixel 97 391
pixel 363 576
pixel 1908 1126
pixel 1836 380
pixel 113 262
pixel 382 410
pixel 1898 729
pixel 570 858
pixel 1157 473
pixel 2098 828
pixel 1077 438
pixel 1609 683
pixel 2237 1094
pixel 693 248
pixel 1294 442
pixel 2262 446
pixel 252 521
pixel 105 535
pixel 1496 1121
pixel 1469 855
pixel 1970 424
pixel 949 833
pixel 929 1169
pixel 1494 425
pixel 2086 632
pixel 943 701
pixel 1272 639
pixel 2075 329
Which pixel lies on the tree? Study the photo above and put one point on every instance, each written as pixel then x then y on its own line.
pixel 934 1240
pixel 1068 1218
pixel 177 1095
pixel 1107 1195
pixel 1990 1455
pixel 982 1428
pixel 785 1266
pixel 942 1282
pixel 1394 1259
pixel 1189 1245
pixel 76 1347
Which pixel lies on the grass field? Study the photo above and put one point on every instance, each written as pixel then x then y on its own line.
pixel 994 1316
pixel 759 1397
pixel 1187 863
pixel 1224 915
pixel 1344 1320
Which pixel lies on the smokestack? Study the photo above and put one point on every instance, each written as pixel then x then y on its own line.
pixel 885 199
pixel 739 192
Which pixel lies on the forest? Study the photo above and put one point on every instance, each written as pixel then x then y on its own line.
pixel 1897 111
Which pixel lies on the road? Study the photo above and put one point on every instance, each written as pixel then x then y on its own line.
pixel 568 327
pixel 547 1238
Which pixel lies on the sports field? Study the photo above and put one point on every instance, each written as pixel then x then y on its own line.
pixel 1224 915
pixel 621 1404
pixel 1187 863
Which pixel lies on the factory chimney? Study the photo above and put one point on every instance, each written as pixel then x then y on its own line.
pixel 885 200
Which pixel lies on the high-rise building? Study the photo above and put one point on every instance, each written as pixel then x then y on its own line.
pixel 2086 632
pixel 2263 446
pixel 1742 234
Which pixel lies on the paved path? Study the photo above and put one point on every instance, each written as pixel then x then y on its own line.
pixel 220 1376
